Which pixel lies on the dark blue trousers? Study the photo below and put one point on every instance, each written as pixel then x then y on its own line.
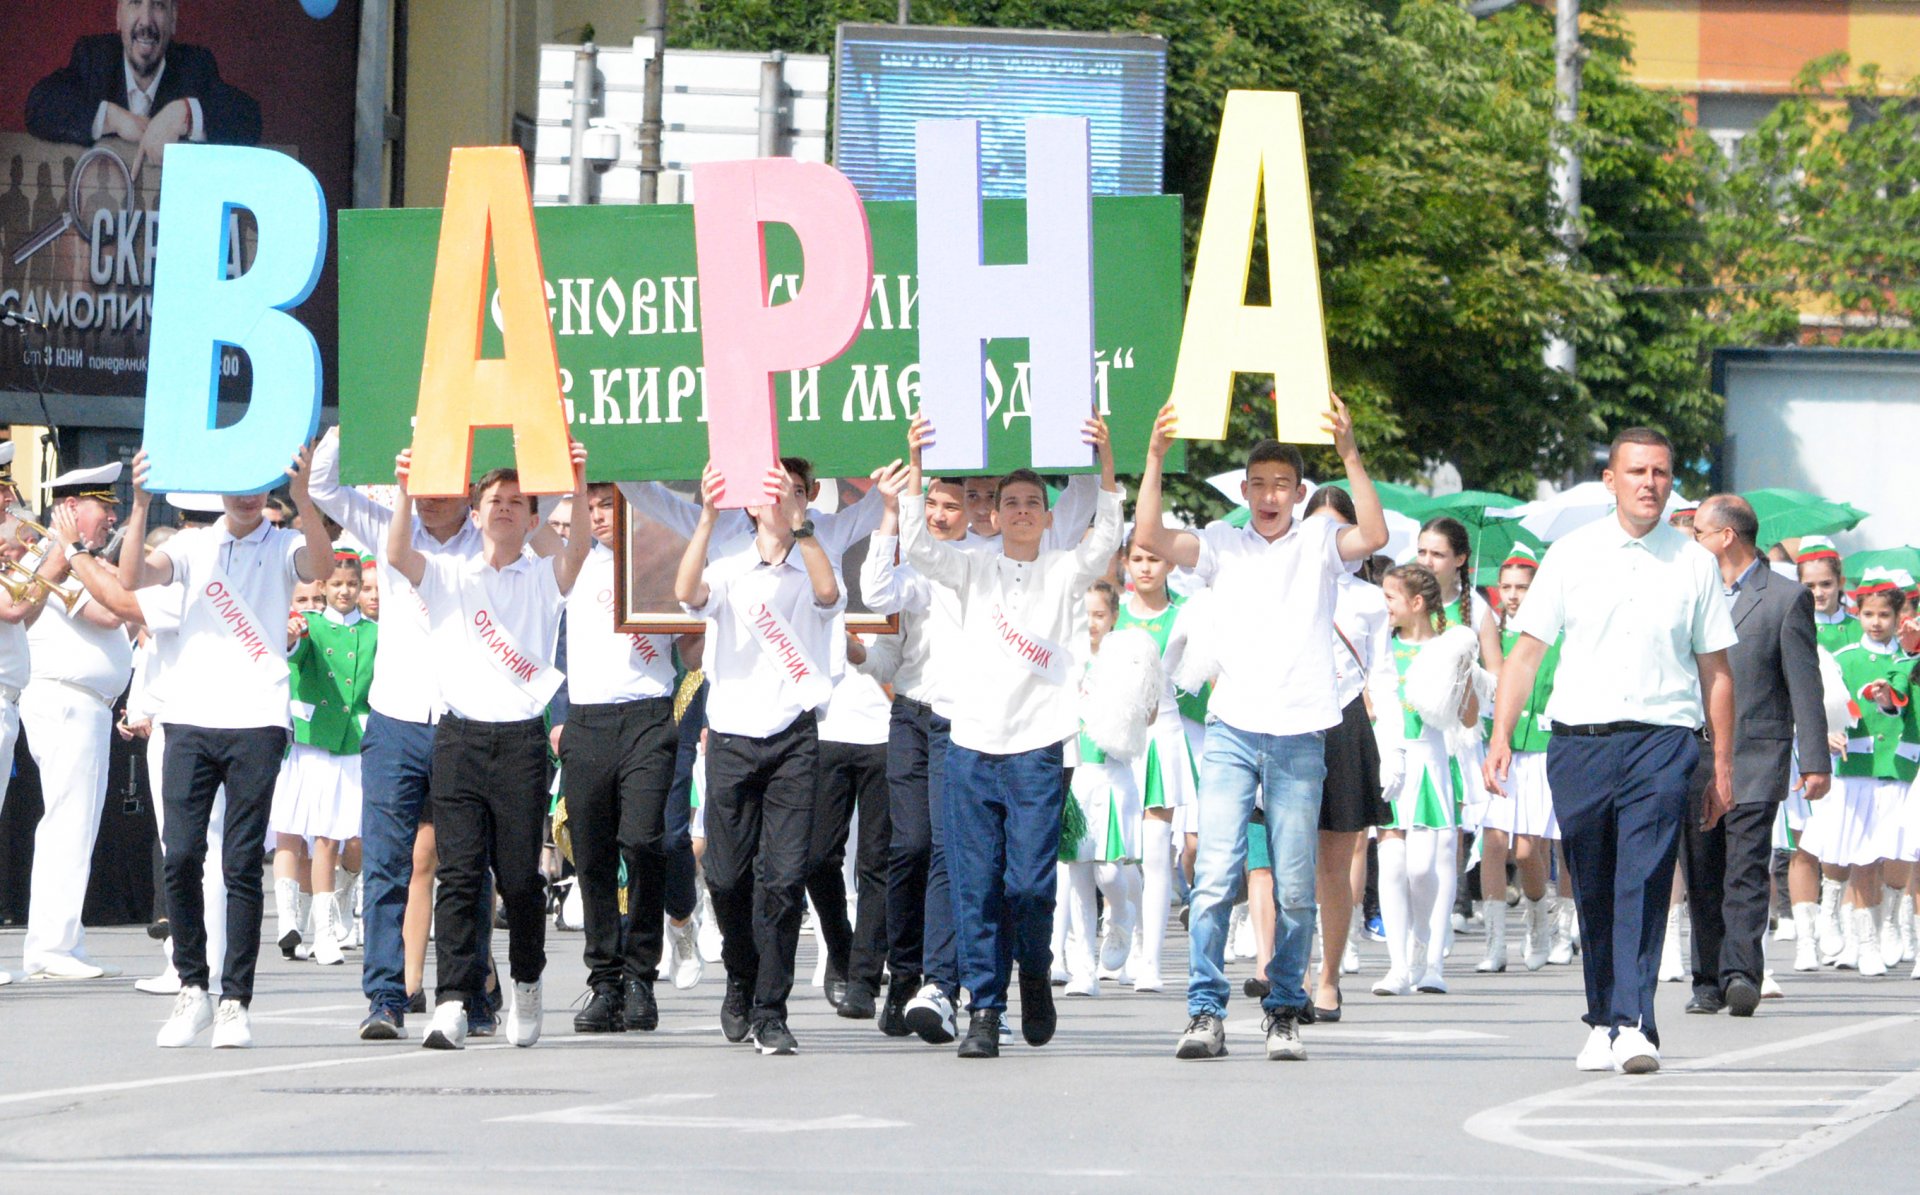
pixel 1622 800
pixel 396 761
pixel 1003 840
pixel 919 893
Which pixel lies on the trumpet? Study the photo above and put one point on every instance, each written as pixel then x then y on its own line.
pixel 27 579
pixel 19 514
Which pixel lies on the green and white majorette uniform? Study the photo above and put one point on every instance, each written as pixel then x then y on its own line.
pixel 1528 808
pixel 1470 749
pixel 1835 631
pixel 331 674
pixel 1429 795
pixel 1864 819
pixel 1100 821
pixel 1169 773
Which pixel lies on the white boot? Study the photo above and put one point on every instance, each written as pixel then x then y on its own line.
pixel 1833 935
pixel 1536 919
pixel 1906 928
pixel 351 915
pixel 1806 945
pixel 1563 929
pixel 1495 913
pixel 304 920
pixel 1890 901
pixel 1866 928
pixel 1849 957
pixel 709 935
pixel 1784 930
pixel 286 909
pixel 326 943
pixel 1673 965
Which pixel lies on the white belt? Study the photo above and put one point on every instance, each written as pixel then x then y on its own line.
pixel 76 686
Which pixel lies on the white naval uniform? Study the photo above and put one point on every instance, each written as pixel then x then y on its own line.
pixel 155 671
pixel 79 671
pixel 13 678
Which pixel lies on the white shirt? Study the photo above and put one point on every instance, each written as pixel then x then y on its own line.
pixel 1014 686
pixel 1359 613
pixel 485 621
pixel 230 681
pixel 140 103
pixel 404 685
pixel 155 663
pixel 859 712
pixel 754 692
pixel 14 668
pixel 1635 612
pixel 1072 514
pixel 604 665
pixel 67 648
pixel 929 636
pixel 1274 603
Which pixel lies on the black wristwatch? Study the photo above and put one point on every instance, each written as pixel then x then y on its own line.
pixel 804 530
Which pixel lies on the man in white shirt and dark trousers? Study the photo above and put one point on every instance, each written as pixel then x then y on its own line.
pixel 82 660
pixel 493 619
pixel 616 753
pixel 228 724
pixel 1270 632
pixel 1016 706
pixel 771 617
pixel 1647 632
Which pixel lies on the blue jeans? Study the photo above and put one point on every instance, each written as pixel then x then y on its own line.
pixel 1622 801
pixel 396 759
pixel 1290 770
pixel 1002 842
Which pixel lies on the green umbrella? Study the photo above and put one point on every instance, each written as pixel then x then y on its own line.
pixel 1469 506
pixel 1790 514
pixel 1403 498
pixel 1891 558
pixel 1494 542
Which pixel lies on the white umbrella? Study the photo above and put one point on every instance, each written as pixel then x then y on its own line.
pixel 1571 509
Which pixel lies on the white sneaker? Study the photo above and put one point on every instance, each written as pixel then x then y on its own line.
pixel 930 1015
pixel 448 1030
pixel 1115 948
pixel 1633 1054
pixel 1083 985
pixel 1769 987
pixel 684 964
pixel 709 935
pixel 1597 1054
pixel 192 1014
pixel 167 983
pixel 68 967
pixel 6 977
pixel 1393 983
pixel 1149 983
pixel 523 1019
pixel 1433 983
pixel 232 1029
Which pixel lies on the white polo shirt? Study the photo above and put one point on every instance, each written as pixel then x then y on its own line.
pixel 492 634
pixel 404 684
pixel 769 644
pixel 604 665
pixel 1635 611
pixel 66 648
pixel 1274 604
pixel 233 625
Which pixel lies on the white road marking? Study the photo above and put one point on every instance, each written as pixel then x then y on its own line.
pixel 1839 1118
pixel 649 1112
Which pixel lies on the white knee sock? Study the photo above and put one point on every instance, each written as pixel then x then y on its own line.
pixel 1156 892
pixel 1396 912
pixel 1431 879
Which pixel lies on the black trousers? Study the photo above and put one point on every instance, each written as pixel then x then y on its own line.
pixel 682 897
pixel 759 810
pixel 618 761
pixel 199 760
pixel 1728 868
pixel 853 776
pixel 489 793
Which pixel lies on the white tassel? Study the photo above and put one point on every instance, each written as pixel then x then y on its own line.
pixel 1833 692
pixel 1121 692
pixel 1199 661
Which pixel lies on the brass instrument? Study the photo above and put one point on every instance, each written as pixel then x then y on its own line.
pixel 18 589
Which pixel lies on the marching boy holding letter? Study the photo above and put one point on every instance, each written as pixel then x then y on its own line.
pixel 493 620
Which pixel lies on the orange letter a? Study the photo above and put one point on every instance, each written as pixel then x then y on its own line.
pixel 489 208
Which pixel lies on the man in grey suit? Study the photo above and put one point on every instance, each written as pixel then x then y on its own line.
pixel 1777 707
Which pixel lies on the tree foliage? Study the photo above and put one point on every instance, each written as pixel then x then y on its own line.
pixel 1428 140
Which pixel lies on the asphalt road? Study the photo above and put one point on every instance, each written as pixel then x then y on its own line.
pixel 1472 1090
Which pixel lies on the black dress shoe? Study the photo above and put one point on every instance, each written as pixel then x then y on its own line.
pixel 893 1014
pixel 836 990
pixel 602 1013
pixel 160 930
pixel 857 1003
pixel 1742 996
pixel 1328 1016
pixel 983 1034
pixel 1037 1017
pixel 733 1010
pixel 1706 1003
pixel 640 1011
pixel 1256 988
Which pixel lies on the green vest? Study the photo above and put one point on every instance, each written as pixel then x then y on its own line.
pixel 1533 732
pixel 332 671
pixel 1835 635
pixel 1193 706
pixel 1895 753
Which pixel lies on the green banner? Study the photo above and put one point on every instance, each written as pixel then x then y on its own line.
pixel 625 304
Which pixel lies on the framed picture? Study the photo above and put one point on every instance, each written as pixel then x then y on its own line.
pixel 647 555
